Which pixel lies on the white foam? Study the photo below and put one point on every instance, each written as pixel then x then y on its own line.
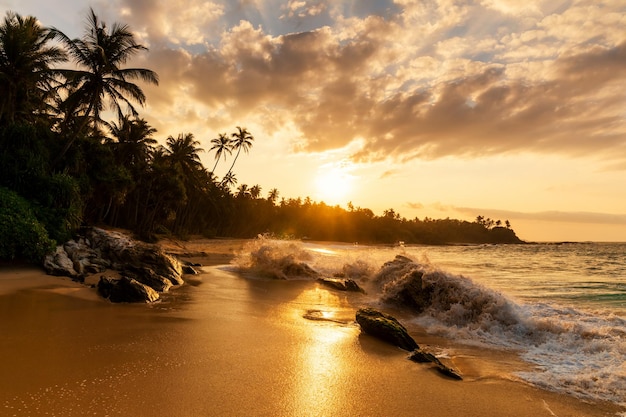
pixel 581 353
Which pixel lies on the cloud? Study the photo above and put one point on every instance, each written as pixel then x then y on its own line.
pixel 421 80
pixel 514 7
pixel 176 22
pixel 302 9
pixel 415 206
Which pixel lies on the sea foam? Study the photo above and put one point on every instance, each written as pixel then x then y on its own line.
pixel 575 352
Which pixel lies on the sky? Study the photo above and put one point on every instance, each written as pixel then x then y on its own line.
pixel 509 109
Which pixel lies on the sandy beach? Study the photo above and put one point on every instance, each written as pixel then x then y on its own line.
pixel 229 346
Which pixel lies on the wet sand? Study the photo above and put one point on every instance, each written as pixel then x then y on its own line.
pixel 228 346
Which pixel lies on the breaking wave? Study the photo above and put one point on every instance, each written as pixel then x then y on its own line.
pixel 575 352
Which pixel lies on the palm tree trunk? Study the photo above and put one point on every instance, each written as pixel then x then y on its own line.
pixel 231 167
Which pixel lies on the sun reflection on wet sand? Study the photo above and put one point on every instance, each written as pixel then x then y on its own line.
pixel 323 369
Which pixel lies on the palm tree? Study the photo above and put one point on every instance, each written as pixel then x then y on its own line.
pixel 183 154
pixel 134 142
pixel 242 139
pixel 26 78
pixel 100 80
pixel 221 144
pixel 242 191
pixel 272 196
pixel 255 191
pixel 229 180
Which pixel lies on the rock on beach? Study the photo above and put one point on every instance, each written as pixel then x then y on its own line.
pixel 389 329
pixel 144 269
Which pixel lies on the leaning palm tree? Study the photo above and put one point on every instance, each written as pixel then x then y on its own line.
pixel 242 139
pixel 100 82
pixel 222 145
pixel 27 79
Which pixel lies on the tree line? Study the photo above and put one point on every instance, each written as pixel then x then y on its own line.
pixel 63 166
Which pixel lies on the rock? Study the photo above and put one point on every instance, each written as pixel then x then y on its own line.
pixel 341 284
pixel 422 356
pixel 385 327
pixel 150 278
pixel 414 293
pixel 299 269
pixel 99 250
pixel 290 269
pixel 59 264
pixel 401 281
pixel 189 270
pixel 126 290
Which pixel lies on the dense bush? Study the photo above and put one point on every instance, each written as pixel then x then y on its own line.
pixel 22 234
pixel 24 168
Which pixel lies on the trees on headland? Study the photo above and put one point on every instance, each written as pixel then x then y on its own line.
pixel 65 166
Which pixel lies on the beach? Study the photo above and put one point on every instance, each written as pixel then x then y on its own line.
pixel 227 345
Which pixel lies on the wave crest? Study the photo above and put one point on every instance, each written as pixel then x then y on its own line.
pixel 275 259
pixel 452 299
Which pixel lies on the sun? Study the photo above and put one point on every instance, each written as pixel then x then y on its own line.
pixel 333 185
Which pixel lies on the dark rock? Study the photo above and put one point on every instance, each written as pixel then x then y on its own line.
pixel 189 270
pixel 150 278
pixel 126 290
pixel 402 282
pixel 99 249
pixel 59 263
pixel 414 293
pixel 385 327
pixel 299 269
pixel 422 356
pixel 341 284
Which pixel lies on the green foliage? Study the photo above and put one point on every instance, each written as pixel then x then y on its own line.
pixel 59 206
pixel 23 236
pixel 54 198
pixel 23 157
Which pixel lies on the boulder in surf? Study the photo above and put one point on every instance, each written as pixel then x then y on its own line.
pixel 385 327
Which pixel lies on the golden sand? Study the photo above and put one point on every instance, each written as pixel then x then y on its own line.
pixel 229 346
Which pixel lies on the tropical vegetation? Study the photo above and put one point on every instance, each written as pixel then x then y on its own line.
pixel 63 166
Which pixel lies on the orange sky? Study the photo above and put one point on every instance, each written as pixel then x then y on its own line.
pixel 514 110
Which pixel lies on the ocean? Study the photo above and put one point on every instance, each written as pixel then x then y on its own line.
pixel 560 307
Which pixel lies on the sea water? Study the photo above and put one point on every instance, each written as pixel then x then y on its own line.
pixel 562 307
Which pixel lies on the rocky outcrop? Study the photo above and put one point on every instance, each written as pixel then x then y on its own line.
pixel 136 262
pixel 59 263
pixel 385 327
pixel 126 290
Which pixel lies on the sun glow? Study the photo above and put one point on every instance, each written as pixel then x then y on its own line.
pixel 333 185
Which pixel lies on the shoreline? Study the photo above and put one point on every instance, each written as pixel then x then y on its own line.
pixel 269 315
